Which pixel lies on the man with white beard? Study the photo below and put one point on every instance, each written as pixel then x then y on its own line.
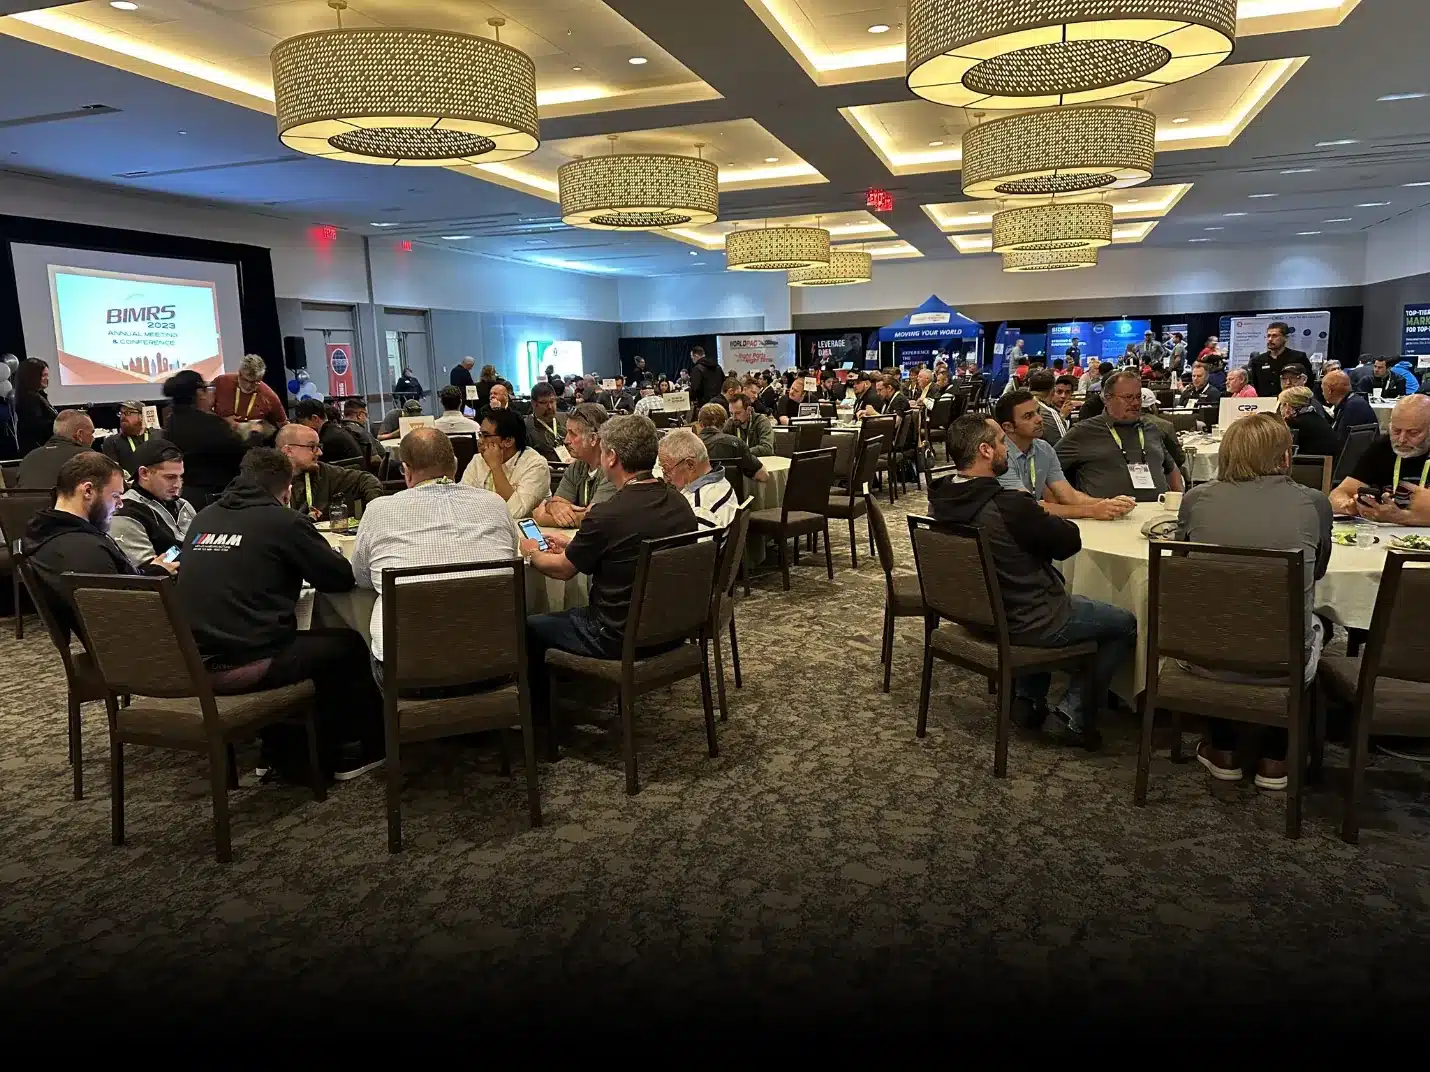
pixel 1394 465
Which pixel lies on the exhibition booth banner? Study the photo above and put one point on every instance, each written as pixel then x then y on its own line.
pixel 1310 333
pixel 739 354
pixel 1416 336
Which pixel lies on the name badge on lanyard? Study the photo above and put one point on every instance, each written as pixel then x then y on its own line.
pixel 1140 472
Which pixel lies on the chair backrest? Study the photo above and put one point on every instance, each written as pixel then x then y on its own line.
pixel 784 441
pixel 959 407
pixel 882 544
pixel 908 435
pixel 1236 609
pixel 729 464
pixel 9 471
pixel 957 576
pixel 828 410
pixel 1312 471
pixel 732 552
pixel 670 600
pixel 870 451
pixel 1166 399
pixel 483 602
pixel 112 610
pixel 940 473
pixel 1399 645
pixel 17 507
pixel 1359 437
pixel 52 615
pixel 808 435
pixel 811 474
pixel 882 427
pixel 355 462
pixel 464 446
pixel 1182 422
pixel 942 413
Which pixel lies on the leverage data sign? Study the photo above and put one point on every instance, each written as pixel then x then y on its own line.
pixel 1416 336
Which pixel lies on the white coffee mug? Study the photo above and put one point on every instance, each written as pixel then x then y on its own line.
pixel 1172 500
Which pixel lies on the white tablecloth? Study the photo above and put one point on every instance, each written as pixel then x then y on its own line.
pixel 1382 412
pixel 1202 456
pixel 1112 567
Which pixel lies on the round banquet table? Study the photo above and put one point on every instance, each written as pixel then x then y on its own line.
pixel 353 610
pixel 1383 411
pixel 1112 567
pixel 1202 456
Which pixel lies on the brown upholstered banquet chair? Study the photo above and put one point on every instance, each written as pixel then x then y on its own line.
pixel 666 635
pixel 1312 471
pixel 16 509
pixel 960 587
pixel 1269 630
pixel 485 602
pixel 1182 422
pixel 1359 438
pixel 464 446
pixel 722 599
pixel 808 434
pixel 9 473
pixel 802 512
pixel 853 502
pixel 902 598
pixel 174 705
pixel 82 680
pixel 940 417
pixel 884 428
pixel 1388 687
pixel 908 450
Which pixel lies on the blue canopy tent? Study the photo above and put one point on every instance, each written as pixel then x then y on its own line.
pixel 933 328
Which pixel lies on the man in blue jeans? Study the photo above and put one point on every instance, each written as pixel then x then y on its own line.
pixel 1026 540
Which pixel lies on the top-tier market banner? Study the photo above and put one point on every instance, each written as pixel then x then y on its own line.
pixel 739 354
pixel 1416 337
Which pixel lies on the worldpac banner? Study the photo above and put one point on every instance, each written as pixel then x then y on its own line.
pixel 739 354
pixel 1416 337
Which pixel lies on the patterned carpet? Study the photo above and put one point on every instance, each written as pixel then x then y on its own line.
pixel 828 866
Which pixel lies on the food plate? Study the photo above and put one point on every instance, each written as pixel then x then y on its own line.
pixel 1410 543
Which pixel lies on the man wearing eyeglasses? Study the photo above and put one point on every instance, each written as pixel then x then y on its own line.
pixel 243 396
pixel 316 484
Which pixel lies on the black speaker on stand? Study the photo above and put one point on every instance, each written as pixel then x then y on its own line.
pixel 295 353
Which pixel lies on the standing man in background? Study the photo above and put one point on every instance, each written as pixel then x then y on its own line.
pixel 707 381
pixel 243 396
pixel 462 375
pixel 131 436
pixel 1265 368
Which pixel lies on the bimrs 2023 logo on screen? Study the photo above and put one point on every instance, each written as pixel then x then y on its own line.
pixel 136 316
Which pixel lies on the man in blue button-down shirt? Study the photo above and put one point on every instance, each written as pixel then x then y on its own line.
pixel 1033 464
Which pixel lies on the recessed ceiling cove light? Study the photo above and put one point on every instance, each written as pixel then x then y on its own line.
pixel 1413 185
pixel 878 28
pixel 1339 141
pixel 1181 119
pixel 1306 234
pixel 1230 215
pixel 637 61
pixel 935 144
pixel 455 237
pixel 1298 171
pixel 1373 204
pixel 124 5
pixel 1340 219
pixel 1387 97
pixel 1254 196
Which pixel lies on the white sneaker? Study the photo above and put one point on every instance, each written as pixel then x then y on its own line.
pixel 357 772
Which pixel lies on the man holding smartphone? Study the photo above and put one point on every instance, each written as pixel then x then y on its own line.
pixel 1390 480
pixel 154 516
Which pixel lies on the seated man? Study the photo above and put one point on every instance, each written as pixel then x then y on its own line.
pixel 72 536
pixel 246 559
pixel 1033 464
pixel 891 393
pixel 435 521
pixel 725 447
pixel 685 465
pixel 391 426
pixel 1026 542
pixel 607 548
pixel 1203 393
pixel 73 434
pixel 355 423
pixel 787 408
pixel 1395 464
pixel 924 391
pixel 500 396
pixel 830 389
pixel 583 485
pixel 1385 381
pixel 131 435
pixel 154 515
pixel 337 441
pixel 316 484
pixel 453 421
pixel 650 400
pixel 1347 407
pixel 1238 384
pixel 1055 424
pixel 1119 452
pixel 506 465
pixel 750 427
pixel 545 428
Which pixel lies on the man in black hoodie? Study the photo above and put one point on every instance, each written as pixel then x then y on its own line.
pixel 72 536
pixel 706 378
pixel 245 560
pixel 1026 542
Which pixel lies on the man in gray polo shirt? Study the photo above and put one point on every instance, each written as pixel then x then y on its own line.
pixel 1119 452
pixel 1033 464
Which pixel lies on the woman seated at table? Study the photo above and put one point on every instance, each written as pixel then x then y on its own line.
pixel 1314 434
pixel 1253 503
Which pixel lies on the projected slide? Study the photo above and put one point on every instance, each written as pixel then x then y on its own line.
pixel 115 328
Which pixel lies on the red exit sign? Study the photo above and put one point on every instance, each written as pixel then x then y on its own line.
pixel 879 200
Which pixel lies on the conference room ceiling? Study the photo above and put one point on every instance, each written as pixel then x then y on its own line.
pixel 800 106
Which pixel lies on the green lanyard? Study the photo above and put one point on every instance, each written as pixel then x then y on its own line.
pixel 1033 473
pixel 554 433
pixel 590 491
pixel 132 446
pixel 435 482
pixel 308 489
pixel 1141 442
pixel 1424 473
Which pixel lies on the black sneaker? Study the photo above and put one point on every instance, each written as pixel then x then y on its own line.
pixel 355 760
pixel 1059 730
pixel 1029 714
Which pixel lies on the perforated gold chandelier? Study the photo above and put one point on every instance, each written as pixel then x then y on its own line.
pixel 846 267
pixel 1000 54
pixel 776 249
pixel 1085 225
pixel 1045 260
pixel 398 96
pixel 630 192
pixel 1059 151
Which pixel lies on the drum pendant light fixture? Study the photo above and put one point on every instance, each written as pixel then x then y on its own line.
pixel 1085 225
pixel 776 249
pixel 846 267
pixel 1059 151
pixel 629 192
pixel 1042 260
pixel 1001 54
pixel 399 96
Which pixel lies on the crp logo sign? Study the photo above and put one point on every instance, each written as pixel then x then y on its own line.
pixel 1248 407
pixel 339 361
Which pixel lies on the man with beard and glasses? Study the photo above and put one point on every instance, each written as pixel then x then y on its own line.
pixel 1027 541
pixel 73 535
pixel 154 516
pixel 1394 465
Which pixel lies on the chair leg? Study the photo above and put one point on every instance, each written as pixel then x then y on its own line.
pixel 393 788
pixel 116 790
pixel 1355 782
pixel 890 478
pixel 869 525
pixel 745 576
pixel 1295 770
pixel 735 653
pixel 886 645
pixel 720 677
pixel 853 545
pixel 315 769
pixel 553 749
pixel 19 607
pixel 1144 748
pixel 504 747
pixel 230 766
pixel 1318 735
pixel 533 783
pixel 925 688
pixel 784 559
pixel 1089 701
pixel 1005 721
pixel 707 701
pixel 218 790
pixel 76 748
pixel 828 552
pixel 628 742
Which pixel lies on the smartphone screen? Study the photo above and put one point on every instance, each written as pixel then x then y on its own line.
pixel 172 554
pixel 532 531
